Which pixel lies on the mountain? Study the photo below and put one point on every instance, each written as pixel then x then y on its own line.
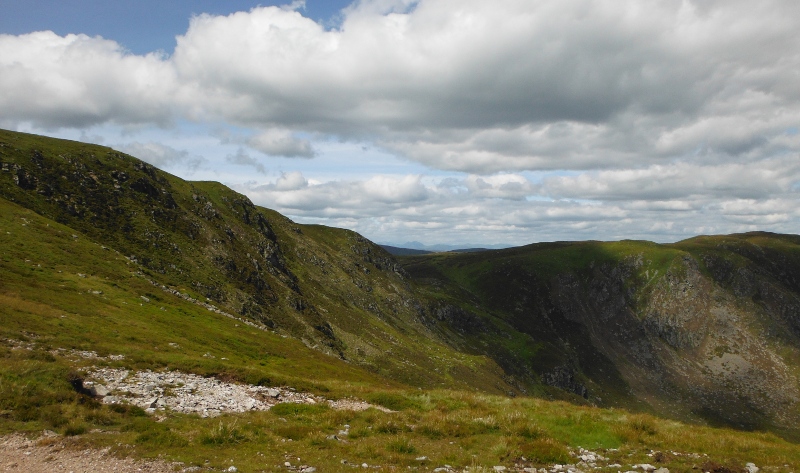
pixel 107 260
pixel 707 329
pixel 331 289
pixel 396 251
pixel 415 245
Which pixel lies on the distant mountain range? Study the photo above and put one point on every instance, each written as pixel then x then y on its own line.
pixel 397 251
pixel 415 245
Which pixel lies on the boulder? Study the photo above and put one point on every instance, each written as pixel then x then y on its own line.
pixel 98 390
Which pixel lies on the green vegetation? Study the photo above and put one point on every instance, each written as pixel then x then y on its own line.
pixel 481 358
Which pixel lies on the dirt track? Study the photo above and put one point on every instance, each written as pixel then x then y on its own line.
pixel 54 453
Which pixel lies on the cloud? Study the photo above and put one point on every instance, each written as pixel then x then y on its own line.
pixel 281 143
pixel 462 85
pixel 659 203
pixel 479 87
pixel 291 181
pixel 758 180
pixel 503 186
pixel 295 5
pixel 554 119
pixel 391 190
pixel 77 81
pixel 162 156
pixel 243 159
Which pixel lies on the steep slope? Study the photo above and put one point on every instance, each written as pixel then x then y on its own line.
pixel 67 294
pixel 705 329
pixel 331 289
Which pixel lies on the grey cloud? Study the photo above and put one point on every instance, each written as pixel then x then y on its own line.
pixel 633 73
pixel 162 156
pixel 243 159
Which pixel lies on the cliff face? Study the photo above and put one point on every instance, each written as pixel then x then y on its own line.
pixel 705 329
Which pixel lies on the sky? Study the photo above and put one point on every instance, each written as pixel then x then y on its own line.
pixel 457 122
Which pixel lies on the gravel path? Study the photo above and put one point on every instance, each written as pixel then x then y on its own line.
pixel 55 453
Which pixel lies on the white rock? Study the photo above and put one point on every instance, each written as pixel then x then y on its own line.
pixel 751 468
pixel 662 470
pixel 499 468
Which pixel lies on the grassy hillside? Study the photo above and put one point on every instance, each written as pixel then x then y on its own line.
pixel 106 261
pixel 64 295
pixel 331 289
pixel 702 330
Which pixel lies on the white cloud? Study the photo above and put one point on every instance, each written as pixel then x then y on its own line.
pixel 760 179
pixel 281 143
pixel 511 209
pixel 291 181
pixel 391 190
pixel 77 81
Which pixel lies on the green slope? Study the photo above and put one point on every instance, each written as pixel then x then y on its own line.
pixel 331 289
pixel 702 330
pixel 102 253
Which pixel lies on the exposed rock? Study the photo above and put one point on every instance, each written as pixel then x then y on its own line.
pixel 644 466
pixel 98 390
pixel 563 377
pixel 208 397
